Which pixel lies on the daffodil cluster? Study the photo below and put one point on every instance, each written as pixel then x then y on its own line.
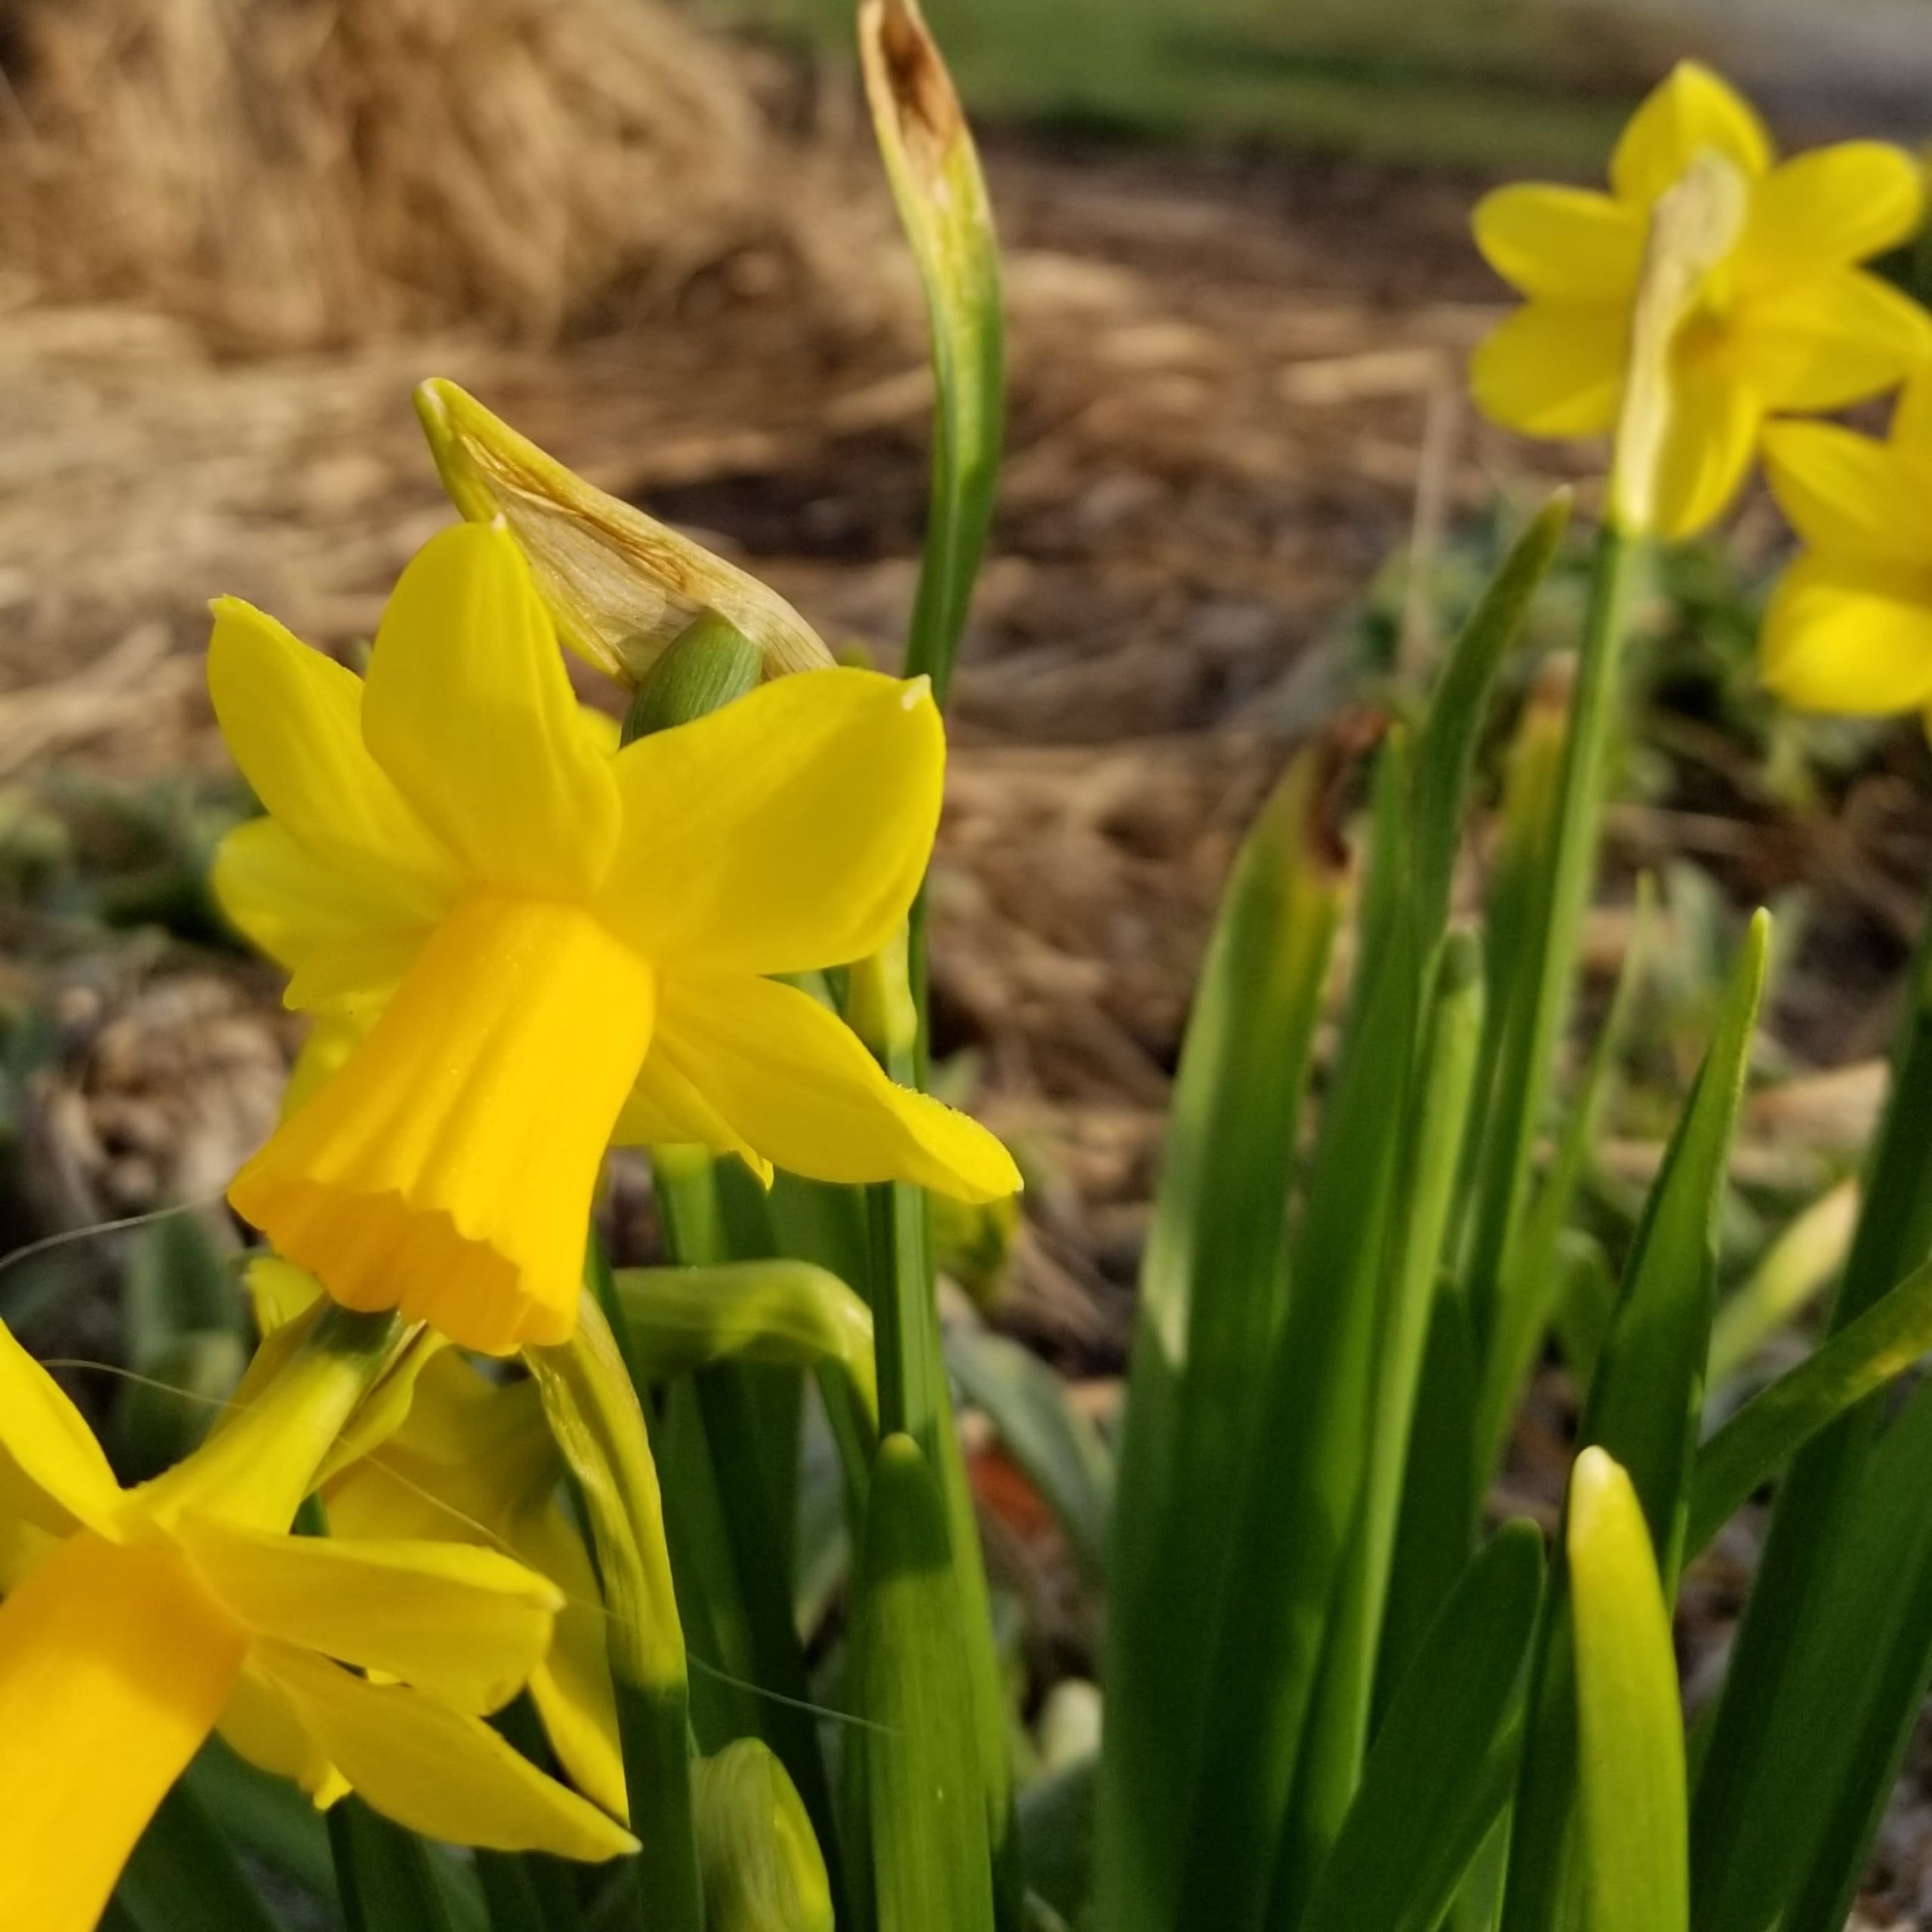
pixel 1780 318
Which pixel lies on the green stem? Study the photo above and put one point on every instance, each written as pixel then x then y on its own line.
pixel 1535 1024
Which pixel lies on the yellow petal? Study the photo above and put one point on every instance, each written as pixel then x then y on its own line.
pixel 446 1170
pixel 261 1722
pixel 114 1664
pixel 786 831
pixel 665 1110
pixel 470 710
pixel 292 719
pixel 1553 369
pixel 1828 341
pixel 1912 420
pixel 1571 244
pixel 436 1770
pixel 1850 496
pixel 52 1471
pixel 1709 435
pixel 334 1034
pixel 343 933
pixel 1836 205
pixel 1856 640
pixel 795 1083
pixel 1688 112
pixel 466 1624
pixel 571 1686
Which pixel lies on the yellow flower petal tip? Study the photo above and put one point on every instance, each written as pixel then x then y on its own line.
pixel 520 943
pixel 1621 296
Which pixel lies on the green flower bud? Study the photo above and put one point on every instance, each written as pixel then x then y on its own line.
pixel 762 1868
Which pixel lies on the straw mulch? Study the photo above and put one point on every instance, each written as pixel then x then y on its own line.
pixel 294 172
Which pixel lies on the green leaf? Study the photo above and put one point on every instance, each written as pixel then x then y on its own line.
pixel 1646 1399
pixel 392 1880
pixel 1301 1477
pixel 1635 1853
pixel 1344 1698
pixel 1763 1436
pixel 183 1876
pixel 1438 1775
pixel 931 1862
pixel 267 1817
pixel 1797 1266
pixel 1753 1730
pixel 1059 1448
pixel 1211 1285
pixel 1643 1409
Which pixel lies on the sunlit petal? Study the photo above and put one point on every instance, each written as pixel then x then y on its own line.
pixel 1855 640
pixel 342 933
pixel 1850 495
pixel 470 710
pixel 466 1624
pixel 52 1471
pixel 436 1770
pixel 1837 204
pixel 292 719
pixel 1689 112
pixel 260 1721
pixel 665 1110
pixel 787 831
pixel 1553 369
pixel 446 1169
pixel 796 1083
pixel 1571 244
pixel 114 1665
pixel 1828 340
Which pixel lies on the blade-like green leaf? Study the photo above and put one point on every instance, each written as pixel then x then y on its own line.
pixel 931 1863
pixel 1763 1436
pixel 1524 1302
pixel 1058 1447
pixel 1753 1731
pixel 184 1877
pixel 1805 1257
pixel 1643 1409
pixel 1647 1397
pixel 1635 1853
pixel 1301 1478
pixel 1339 1728
pixel 1438 1775
pixel 390 1880
pixel 1211 1284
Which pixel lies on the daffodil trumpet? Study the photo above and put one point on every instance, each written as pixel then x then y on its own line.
pixel 137 1621
pixel 537 944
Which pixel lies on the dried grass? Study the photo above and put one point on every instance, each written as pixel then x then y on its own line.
pixel 305 172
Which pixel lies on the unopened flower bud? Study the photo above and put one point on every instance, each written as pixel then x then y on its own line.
pixel 762 1868
pixel 620 585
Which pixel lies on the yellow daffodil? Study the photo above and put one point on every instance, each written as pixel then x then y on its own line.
pixel 1850 625
pixel 549 943
pixel 1783 320
pixel 136 1621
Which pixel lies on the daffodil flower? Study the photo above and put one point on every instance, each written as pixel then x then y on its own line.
pixel 550 943
pixel 1850 625
pixel 1783 320
pixel 136 1621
